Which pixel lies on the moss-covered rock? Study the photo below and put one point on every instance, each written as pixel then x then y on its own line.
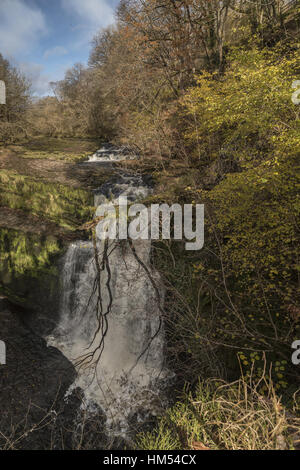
pixel 67 206
pixel 29 273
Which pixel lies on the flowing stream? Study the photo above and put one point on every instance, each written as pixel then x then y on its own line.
pixel 110 153
pixel 110 323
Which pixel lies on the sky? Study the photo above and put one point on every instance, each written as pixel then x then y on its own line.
pixel 46 37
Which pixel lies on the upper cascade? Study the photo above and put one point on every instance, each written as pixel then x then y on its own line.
pixel 110 153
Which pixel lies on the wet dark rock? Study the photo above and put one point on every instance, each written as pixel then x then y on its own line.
pixel 33 413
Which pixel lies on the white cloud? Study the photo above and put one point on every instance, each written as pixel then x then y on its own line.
pixel 20 26
pixel 39 78
pixel 55 52
pixel 91 15
pixel 95 12
pixel 35 73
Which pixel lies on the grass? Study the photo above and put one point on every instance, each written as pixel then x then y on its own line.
pixel 68 150
pixel 60 156
pixel 222 416
pixel 68 207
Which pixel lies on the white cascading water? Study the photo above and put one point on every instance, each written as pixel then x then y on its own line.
pixel 110 321
pixel 110 153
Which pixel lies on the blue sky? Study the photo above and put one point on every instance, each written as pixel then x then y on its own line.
pixel 46 37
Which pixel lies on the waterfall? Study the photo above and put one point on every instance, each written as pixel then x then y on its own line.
pixel 110 323
pixel 110 153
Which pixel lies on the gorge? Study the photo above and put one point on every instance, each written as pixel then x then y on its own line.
pixel 100 317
